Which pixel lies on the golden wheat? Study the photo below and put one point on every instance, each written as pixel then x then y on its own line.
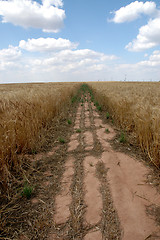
pixel 25 110
pixel 136 107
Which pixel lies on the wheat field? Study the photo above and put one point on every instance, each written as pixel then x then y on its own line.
pixel 135 106
pixel 25 111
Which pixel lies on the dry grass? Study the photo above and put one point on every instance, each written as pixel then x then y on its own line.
pixel 135 107
pixel 25 112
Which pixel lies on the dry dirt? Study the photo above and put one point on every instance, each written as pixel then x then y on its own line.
pixel 95 193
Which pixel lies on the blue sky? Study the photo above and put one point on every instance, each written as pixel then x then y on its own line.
pixel 82 40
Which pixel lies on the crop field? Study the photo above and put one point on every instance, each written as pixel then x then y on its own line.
pixel 136 108
pixel 67 151
pixel 25 112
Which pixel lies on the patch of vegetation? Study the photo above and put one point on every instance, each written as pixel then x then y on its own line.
pixel 27 191
pixel 84 87
pixel 69 122
pixel 122 138
pixel 96 104
pixel 99 108
pixel 92 99
pixel 107 115
pixel 34 151
pixel 107 130
pixel 78 130
pixel 74 99
pixel 61 140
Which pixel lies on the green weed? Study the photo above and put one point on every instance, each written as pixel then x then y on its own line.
pixel 107 130
pixel 69 122
pixel 61 140
pixel 99 108
pixel 34 151
pixel 97 104
pixel 74 99
pixel 107 115
pixel 27 191
pixel 92 99
pixel 122 138
pixel 78 130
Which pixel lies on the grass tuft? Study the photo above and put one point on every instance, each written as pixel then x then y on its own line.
pixel 61 140
pixel 107 115
pixel 27 191
pixel 78 130
pixel 99 108
pixel 69 122
pixel 122 138
pixel 107 130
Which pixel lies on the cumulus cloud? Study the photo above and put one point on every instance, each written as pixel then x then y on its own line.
pixel 28 13
pixel 47 44
pixel 72 65
pixel 58 55
pixel 82 54
pixel 9 57
pixel 133 11
pixel 149 34
pixel 153 61
pixel 11 53
pixel 148 37
pixel 56 3
pixel 67 60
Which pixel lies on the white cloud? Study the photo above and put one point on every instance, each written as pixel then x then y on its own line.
pixel 46 44
pixel 28 13
pixel 149 34
pixel 153 61
pixel 82 54
pixel 133 11
pixel 73 65
pixel 9 57
pixel 68 60
pixel 148 37
pixel 56 3
pixel 11 53
pixel 58 55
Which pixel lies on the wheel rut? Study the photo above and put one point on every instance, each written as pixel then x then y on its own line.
pixel 99 196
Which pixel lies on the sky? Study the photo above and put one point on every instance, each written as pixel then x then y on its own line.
pixel 79 40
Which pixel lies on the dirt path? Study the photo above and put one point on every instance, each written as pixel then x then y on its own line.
pixel 104 194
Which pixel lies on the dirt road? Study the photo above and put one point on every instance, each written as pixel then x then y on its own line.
pixel 104 193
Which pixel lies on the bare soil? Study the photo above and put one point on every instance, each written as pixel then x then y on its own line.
pixel 84 188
